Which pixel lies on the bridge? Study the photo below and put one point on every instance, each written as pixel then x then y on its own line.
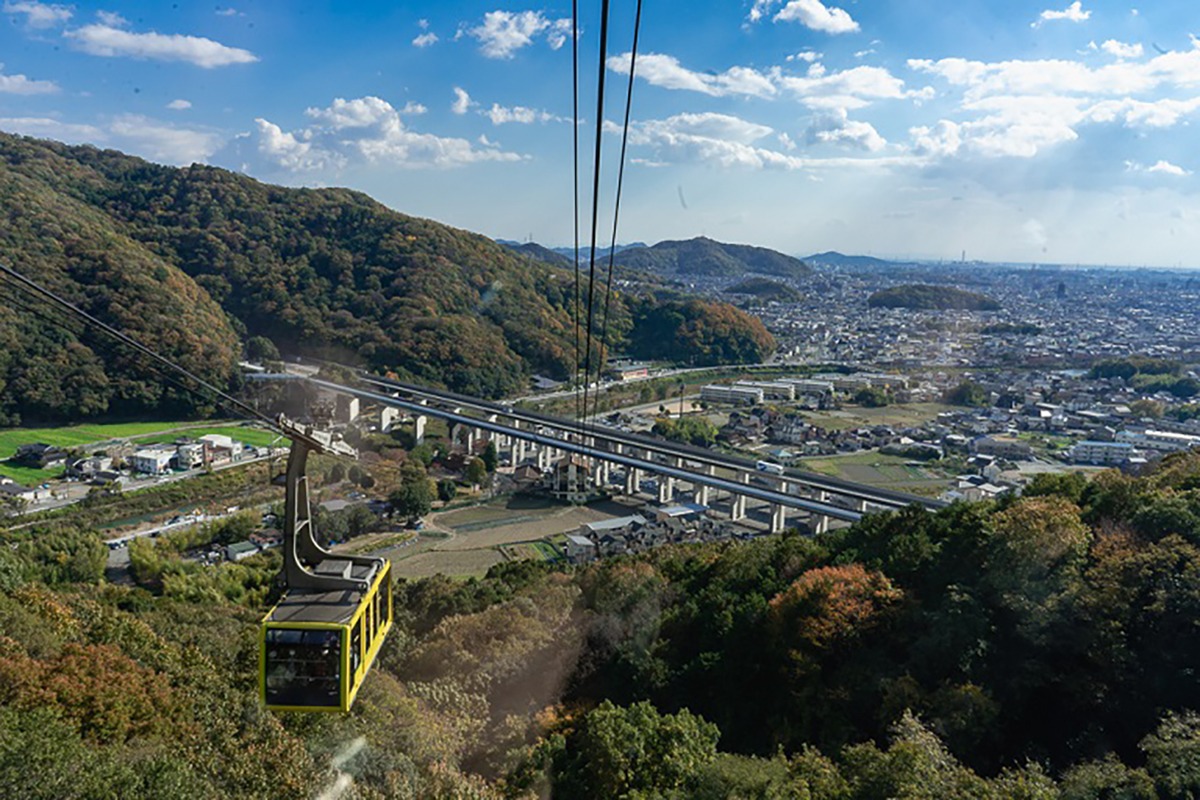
pixel 546 438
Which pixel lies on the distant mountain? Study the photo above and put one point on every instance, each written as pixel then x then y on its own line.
pixel 537 252
pixel 584 250
pixel 765 289
pixel 833 258
pixel 931 298
pixel 703 257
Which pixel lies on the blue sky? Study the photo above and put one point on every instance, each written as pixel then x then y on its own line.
pixel 1021 131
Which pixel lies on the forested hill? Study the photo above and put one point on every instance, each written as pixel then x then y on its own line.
pixel 704 257
pixel 194 260
pixel 931 298
pixel 1037 648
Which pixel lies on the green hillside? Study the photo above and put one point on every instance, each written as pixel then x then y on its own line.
pixel 703 257
pixel 931 298
pixel 765 289
pixel 195 260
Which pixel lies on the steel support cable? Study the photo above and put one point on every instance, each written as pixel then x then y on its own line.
pixel 637 25
pixel 575 179
pixel 587 361
pixel 46 294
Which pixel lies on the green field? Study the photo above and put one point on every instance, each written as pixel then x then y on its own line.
pixel 876 469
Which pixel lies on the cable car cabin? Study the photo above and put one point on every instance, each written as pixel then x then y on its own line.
pixel 317 644
pixel 316 647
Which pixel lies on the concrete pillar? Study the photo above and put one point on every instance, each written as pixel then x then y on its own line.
pixel 472 436
pixel 701 496
pixel 778 518
pixel 543 458
pixel 739 501
pixel 387 418
pixel 861 506
pixel 666 489
pixel 820 523
pixel 419 428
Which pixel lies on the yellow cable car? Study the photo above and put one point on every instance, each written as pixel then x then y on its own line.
pixel 318 643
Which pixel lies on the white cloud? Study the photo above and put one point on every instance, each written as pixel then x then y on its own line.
pixel 819 89
pixel 1167 168
pixel 503 33
pixel 726 141
pixel 1072 13
pixel 179 105
pixel 165 143
pixel 813 14
pixel 142 136
pixel 837 128
pixel 105 40
pixel 499 115
pixel 112 19
pixel 19 84
pixel 40 15
pixel 425 39
pixel 1180 69
pixel 363 130
pixel 666 71
pixel 806 55
pixel 230 12
pixel 851 88
pixel 47 128
pixel 462 101
pixel 1122 50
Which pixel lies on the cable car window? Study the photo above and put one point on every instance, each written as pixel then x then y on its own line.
pixel 302 667
pixel 355 647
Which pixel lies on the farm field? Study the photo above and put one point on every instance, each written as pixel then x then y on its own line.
pixel 480 536
pixel 859 417
pixel 876 469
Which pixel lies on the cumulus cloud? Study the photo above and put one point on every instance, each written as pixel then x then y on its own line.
pixel 666 71
pixel 1178 69
pixel 726 141
pixel 503 33
pixel 805 55
pixel 1021 107
pixel 106 40
pixel 1072 13
pixel 837 128
pixel 813 14
pixel 179 105
pixel 499 115
pixel 40 15
pixel 19 84
pixel 1161 166
pixel 425 39
pixel 462 101
pixel 818 89
pixel 1122 50
pixel 362 130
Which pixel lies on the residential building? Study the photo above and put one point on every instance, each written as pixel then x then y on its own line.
pixel 152 460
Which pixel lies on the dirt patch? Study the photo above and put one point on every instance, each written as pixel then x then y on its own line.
pixel 526 527
pixel 460 563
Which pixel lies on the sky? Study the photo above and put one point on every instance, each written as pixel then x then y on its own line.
pixel 1014 131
